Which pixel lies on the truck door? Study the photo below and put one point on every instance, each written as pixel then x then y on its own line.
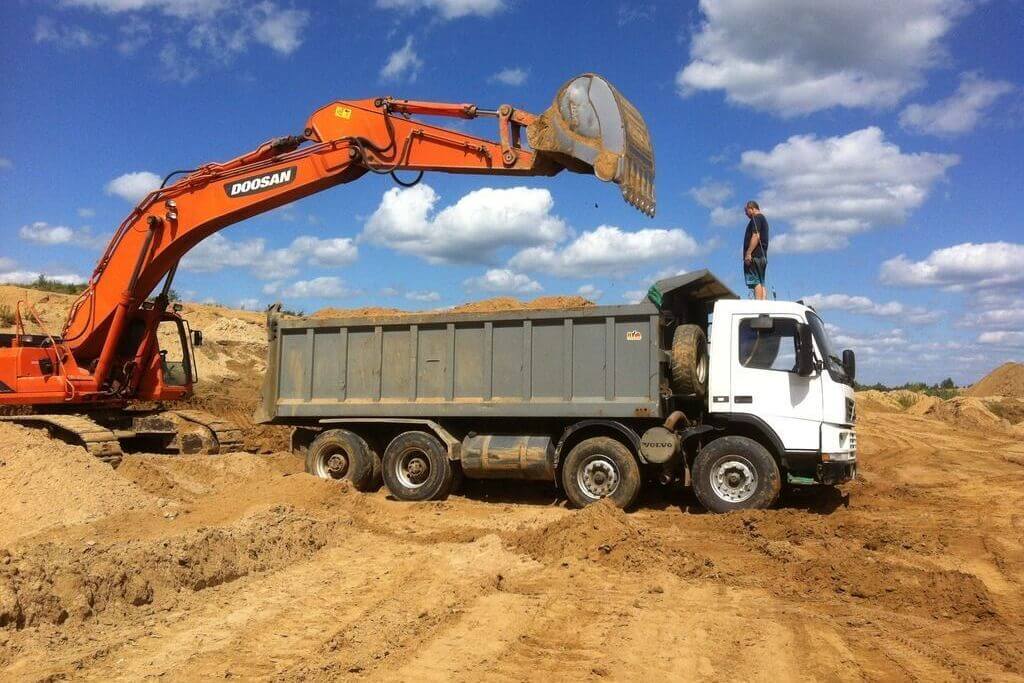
pixel 765 383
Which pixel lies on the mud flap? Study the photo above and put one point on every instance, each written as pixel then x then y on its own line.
pixel 592 128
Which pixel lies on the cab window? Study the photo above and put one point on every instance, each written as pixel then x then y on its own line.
pixel 773 349
pixel 173 357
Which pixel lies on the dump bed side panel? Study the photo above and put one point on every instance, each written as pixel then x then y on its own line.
pixel 600 362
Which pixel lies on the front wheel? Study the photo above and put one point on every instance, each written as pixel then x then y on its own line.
pixel 735 473
pixel 601 468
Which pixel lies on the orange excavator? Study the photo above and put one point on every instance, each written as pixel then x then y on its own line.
pixel 80 384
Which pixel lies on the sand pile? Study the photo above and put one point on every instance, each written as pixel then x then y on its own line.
pixel 604 534
pixel 499 303
pixel 1006 380
pixel 878 401
pixel 47 483
pixel 968 412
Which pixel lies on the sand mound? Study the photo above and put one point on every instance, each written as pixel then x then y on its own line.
pixel 1006 380
pixel 877 401
pixel 968 412
pixel 52 584
pixel 498 303
pixel 47 483
pixel 604 534
pixel 188 477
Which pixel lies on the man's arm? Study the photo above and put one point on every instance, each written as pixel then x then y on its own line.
pixel 755 240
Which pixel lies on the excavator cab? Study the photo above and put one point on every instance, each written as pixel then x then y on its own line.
pixel 177 357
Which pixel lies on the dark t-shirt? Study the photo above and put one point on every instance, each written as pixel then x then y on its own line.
pixel 762 227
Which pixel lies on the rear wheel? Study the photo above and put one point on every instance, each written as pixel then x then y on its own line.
pixel 341 454
pixel 416 467
pixel 598 468
pixel 735 473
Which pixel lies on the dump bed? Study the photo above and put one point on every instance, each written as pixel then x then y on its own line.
pixel 599 361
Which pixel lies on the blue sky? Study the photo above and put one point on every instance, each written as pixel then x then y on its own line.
pixel 884 143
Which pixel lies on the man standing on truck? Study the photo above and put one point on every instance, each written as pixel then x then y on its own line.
pixel 755 250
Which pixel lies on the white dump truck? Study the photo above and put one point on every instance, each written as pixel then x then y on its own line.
pixel 732 397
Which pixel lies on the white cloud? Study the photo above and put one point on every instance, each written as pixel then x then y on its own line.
pixel 86 213
pixel 403 63
pixel 5 164
pixel 1014 338
pixel 997 317
pixel 133 187
pixel 448 9
pixel 423 297
pixel 6 264
pixel 65 36
pixel 607 250
pixel 249 304
pixel 710 193
pixel 960 112
pixel 591 292
pixel 503 280
pixel 196 35
pixel 962 266
pixel 798 56
pixel 634 296
pixel 317 288
pixel 713 195
pixel 874 344
pixel 865 306
pixel 217 252
pixel 469 231
pixel 24 277
pixel 280 30
pixel 41 232
pixel 830 188
pixel 513 76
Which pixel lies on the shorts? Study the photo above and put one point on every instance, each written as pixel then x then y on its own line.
pixel 753 272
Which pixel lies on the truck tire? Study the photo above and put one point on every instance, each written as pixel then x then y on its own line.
pixel 341 454
pixel 689 361
pixel 416 467
pixel 735 473
pixel 598 468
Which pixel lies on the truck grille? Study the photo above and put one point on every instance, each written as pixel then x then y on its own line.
pixel 851 411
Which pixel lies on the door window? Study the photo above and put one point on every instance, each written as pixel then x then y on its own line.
pixel 774 349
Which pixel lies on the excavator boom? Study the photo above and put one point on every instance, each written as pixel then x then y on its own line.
pixel 108 350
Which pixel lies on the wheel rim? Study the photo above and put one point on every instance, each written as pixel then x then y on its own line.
pixel 333 463
pixel 412 468
pixel 702 369
pixel 598 477
pixel 734 479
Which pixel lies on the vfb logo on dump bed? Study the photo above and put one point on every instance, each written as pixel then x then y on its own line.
pixel 260 183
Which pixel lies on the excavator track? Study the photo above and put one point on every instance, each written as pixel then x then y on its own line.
pixel 227 436
pixel 97 439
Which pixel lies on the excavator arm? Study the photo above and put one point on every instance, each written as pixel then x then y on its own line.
pixel 109 341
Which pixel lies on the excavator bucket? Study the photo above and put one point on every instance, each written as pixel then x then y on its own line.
pixel 592 128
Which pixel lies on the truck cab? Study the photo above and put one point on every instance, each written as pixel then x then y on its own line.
pixel 773 370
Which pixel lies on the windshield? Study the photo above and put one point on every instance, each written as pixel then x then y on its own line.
pixel 831 360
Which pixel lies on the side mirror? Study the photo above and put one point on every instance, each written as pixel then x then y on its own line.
pixel 805 352
pixel 849 364
pixel 197 338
